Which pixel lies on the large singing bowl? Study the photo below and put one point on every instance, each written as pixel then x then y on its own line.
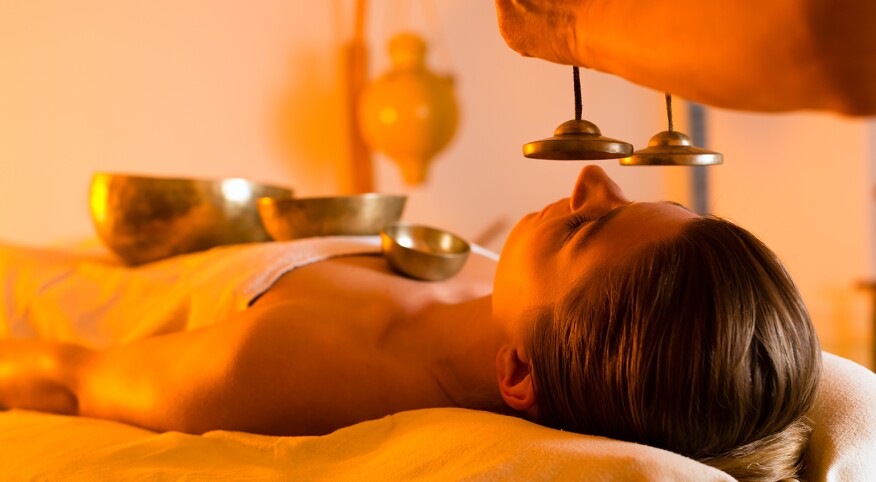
pixel 360 214
pixel 144 219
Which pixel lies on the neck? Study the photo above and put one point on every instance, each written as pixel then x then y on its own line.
pixel 468 340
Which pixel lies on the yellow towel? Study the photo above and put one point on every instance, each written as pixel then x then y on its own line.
pixel 431 445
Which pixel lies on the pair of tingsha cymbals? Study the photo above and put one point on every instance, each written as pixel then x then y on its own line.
pixel 579 139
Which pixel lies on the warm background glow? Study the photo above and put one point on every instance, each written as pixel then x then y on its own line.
pixel 256 90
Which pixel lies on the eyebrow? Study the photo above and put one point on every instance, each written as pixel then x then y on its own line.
pixel 598 226
pixel 600 223
pixel 682 206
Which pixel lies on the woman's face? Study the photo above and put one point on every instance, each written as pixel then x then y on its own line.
pixel 550 250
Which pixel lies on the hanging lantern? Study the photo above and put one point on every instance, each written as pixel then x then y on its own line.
pixel 409 113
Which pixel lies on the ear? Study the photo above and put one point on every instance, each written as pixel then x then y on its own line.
pixel 515 380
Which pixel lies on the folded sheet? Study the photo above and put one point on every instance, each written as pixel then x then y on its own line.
pixel 96 302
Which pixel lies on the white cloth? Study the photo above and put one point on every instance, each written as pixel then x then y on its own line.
pixel 843 443
pixel 96 302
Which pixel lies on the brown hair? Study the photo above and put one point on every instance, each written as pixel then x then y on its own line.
pixel 699 344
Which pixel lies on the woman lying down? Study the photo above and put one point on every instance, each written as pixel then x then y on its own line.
pixel 637 321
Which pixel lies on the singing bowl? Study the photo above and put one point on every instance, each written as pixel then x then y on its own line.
pixel 423 252
pixel 143 218
pixel 363 214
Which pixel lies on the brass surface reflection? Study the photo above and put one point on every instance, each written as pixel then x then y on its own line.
pixel 423 252
pixel 144 219
pixel 363 214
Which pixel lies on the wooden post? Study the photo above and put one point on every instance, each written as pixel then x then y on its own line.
pixel 361 168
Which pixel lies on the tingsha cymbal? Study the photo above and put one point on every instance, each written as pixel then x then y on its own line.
pixel 577 139
pixel 672 148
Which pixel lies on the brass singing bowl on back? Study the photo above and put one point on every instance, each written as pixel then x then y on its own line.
pixel 423 252
pixel 144 218
pixel 362 214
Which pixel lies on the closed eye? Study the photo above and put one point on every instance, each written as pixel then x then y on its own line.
pixel 596 226
pixel 575 223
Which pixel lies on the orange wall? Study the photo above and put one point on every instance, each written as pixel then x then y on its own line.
pixel 231 89
pixel 804 184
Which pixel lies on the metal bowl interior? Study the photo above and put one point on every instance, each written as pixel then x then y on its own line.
pixel 363 214
pixel 144 218
pixel 423 252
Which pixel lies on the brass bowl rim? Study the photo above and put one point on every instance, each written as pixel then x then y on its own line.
pixel 207 180
pixel 296 200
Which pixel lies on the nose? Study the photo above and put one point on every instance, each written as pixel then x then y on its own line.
pixel 595 189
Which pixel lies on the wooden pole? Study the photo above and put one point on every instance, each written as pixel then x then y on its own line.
pixel 361 166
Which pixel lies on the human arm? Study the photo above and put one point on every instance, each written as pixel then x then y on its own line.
pixel 770 55
pixel 273 369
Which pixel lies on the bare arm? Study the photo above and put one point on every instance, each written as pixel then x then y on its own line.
pixel 766 55
pixel 168 382
pixel 278 369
